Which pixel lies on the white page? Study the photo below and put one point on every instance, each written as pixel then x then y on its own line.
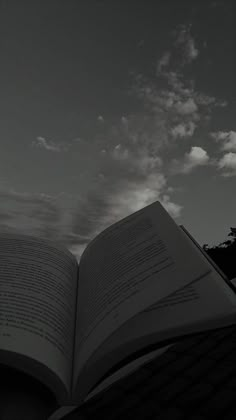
pixel 127 268
pixel 197 307
pixel 233 281
pixel 198 302
pixel 37 299
pixel 127 370
pixel 220 276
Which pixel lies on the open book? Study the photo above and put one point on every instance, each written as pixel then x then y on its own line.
pixel 140 282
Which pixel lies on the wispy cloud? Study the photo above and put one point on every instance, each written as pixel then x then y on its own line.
pixel 177 105
pixel 100 118
pixel 187 107
pixel 132 158
pixel 191 160
pixel 226 139
pixel 173 208
pixel 164 61
pixel 186 43
pixel 43 143
pixel 183 129
pixel 29 213
pixel 179 108
pixel 119 153
pixel 131 163
pixel 107 205
pixel 139 160
pixel 45 216
pixel 137 195
pixel 227 143
pixel 228 162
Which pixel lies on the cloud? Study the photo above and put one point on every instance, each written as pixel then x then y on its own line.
pixel 140 43
pixel 27 197
pixel 178 106
pixel 135 195
pixel 129 160
pixel 228 161
pixel 227 140
pixel 220 3
pixel 147 163
pixel 125 122
pixel 186 43
pixel 186 107
pixel 30 213
pixel 139 161
pixel 178 109
pixel 191 50
pixel 131 170
pixel 183 129
pixel 131 178
pixel 120 153
pixel 45 216
pixel 205 100
pixel 42 143
pixel 173 209
pixel 196 157
pixel 177 103
pixel 171 107
pixel 164 61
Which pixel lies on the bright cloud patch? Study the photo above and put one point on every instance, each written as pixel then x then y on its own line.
pixel 132 170
pixel 227 140
pixel 228 162
pixel 138 160
pixel 164 61
pixel 183 130
pixel 43 143
pixel 186 42
pixel 129 157
pixel 136 195
pixel 186 107
pixel 120 153
pixel 173 209
pixel 196 157
pixel 193 159
pixel 178 107
pixel 100 119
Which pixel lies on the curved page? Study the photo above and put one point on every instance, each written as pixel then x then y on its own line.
pixel 38 281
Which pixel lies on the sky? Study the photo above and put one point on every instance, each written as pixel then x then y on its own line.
pixel 106 107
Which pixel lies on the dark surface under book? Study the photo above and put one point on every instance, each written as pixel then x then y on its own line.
pixel 194 379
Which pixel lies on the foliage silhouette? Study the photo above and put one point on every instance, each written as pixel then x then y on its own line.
pixel 224 254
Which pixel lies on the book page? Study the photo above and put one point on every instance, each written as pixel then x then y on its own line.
pixel 38 284
pixel 197 307
pixel 131 265
pixel 220 276
pixel 126 371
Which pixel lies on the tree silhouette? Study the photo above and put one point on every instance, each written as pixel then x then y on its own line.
pixel 224 254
